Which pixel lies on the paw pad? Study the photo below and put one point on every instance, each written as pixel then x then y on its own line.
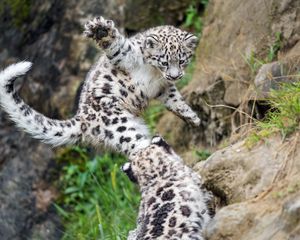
pixel 99 28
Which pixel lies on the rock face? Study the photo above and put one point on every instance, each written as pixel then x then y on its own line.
pixel 24 165
pixel 238 37
pixel 50 36
pixel 272 75
pixel 141 14
pixel 260 188
pixel 48 33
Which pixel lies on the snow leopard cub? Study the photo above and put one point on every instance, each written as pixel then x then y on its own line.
pixel 174 203
pixel 131 72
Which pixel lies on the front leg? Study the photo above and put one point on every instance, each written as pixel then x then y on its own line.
pixel 173 100
pixel 118 49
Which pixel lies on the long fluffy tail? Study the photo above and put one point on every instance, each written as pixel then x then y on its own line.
pixel 54 132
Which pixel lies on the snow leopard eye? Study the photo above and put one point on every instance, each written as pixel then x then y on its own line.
pixel 165 64
pixel 181 62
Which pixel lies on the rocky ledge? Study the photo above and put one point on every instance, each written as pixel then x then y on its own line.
pixel 258 190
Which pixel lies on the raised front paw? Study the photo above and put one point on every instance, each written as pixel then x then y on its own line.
pixel 101 30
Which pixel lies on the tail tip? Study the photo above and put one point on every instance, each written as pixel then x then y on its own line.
pixel 14 70
pixel 17 69
pixel 23 66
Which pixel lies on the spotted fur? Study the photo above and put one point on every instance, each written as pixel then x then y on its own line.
pixel 174 203
pixel 118 87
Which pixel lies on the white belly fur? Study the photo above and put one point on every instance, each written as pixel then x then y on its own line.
pixel 148 79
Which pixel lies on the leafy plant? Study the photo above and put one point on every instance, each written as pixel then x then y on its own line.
pixel 193 20
pixel 98 201
pixel 202 155
pixel 204 2
pixel 284 115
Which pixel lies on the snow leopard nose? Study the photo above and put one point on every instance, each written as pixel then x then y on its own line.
pixel 173 78
pixel 173 74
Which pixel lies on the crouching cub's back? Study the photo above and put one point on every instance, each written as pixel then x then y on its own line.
pixel 174 203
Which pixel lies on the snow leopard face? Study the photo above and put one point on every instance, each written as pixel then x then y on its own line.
pixel 169 49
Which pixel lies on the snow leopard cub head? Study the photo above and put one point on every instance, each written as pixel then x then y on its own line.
pixel 169 49
pixel 151 163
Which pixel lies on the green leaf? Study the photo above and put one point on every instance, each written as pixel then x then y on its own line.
pixel 71 190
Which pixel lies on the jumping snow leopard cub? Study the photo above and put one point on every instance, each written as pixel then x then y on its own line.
pixel 119 86
pixel 174 203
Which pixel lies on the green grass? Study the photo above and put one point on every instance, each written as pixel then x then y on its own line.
pixel 274 48
pixel 152 114
pixel 98 201
pixel 284 115
pixel 193 16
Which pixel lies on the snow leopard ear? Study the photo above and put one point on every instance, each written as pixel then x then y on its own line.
pixel 151 41
pixel 191 41
pixel 127 169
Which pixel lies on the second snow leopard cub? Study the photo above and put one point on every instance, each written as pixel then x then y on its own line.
pixel 174 202
pixel 119 86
